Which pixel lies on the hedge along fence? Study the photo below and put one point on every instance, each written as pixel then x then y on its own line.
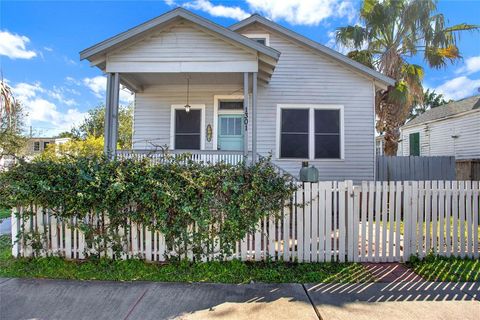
pixel 199 210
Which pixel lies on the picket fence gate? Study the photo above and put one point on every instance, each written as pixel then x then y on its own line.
pixel 325 221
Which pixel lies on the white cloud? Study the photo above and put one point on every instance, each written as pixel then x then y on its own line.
pixel 295 12
pixel 58 93
pixel 48 49
pixel 459 88
pixel 26 91
pixel 236 13
pixel 472 65
pixel 14 46
pixel 304 12
pixel 39 109
pixel 72 80
pixel 98 86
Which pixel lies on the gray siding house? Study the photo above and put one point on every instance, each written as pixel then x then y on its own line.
pixel 305 102
pixel 449 130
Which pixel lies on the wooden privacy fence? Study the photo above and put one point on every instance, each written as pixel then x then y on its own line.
pixel 406 168
pixel 324 221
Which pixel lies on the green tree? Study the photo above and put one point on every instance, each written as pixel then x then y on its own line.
pixel 94 125
pixel 392 32
pixel 12 114
pixel 89 147
pixel 430 100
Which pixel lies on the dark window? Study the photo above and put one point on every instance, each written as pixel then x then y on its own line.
pixel 327 134
pixel 45 145
pixel 231 105
pixel 261 40
pixel 187 129
pixel 414 142
pixel 36 146
pixel 294 133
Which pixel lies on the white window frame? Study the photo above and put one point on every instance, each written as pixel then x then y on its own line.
pixel 311 130
pixel 265 36
pixel 217 112
pixel 200 107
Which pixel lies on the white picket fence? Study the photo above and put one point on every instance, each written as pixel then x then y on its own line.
pixel 324 221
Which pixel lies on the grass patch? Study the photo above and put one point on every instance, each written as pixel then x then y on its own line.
pixel 435 268
pixel 5 213
pixel 221 272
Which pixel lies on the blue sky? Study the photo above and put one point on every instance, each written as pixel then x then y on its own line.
pixel 40 42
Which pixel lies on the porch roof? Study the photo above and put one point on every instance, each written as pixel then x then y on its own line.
pixel 266 57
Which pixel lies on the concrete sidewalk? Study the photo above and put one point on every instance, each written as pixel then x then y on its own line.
pixel 57 299
pixel 52 299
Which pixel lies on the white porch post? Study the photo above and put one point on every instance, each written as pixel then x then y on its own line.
pixel 111 114
pixel 254 117
pixel 245 113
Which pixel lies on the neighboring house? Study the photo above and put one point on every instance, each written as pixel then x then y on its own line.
pixel 449 130
pixel 36 145
pixel 379 145
pixel 306 101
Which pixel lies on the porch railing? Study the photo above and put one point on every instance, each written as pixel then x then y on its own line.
pixel 200 156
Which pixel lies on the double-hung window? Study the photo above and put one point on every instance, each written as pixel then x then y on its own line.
pixel 310 132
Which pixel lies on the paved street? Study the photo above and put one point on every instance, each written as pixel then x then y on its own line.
pixel 52 299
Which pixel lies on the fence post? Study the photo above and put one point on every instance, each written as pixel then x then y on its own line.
pixel 15 227
pixel 352 239
pixel 406 220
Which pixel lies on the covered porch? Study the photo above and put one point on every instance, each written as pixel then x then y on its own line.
pixel 202 114
pixel 195 86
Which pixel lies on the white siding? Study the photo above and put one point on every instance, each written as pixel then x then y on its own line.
pixel 304 76
pixel 181 45
pixel 436 137
pixel 153 111
pixel 301 76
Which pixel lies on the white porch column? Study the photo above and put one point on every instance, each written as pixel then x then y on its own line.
pixel 245 113
pixel 254 117
pixel 111 114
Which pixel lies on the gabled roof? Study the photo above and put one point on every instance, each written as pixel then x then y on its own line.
pixel 256 18
pixel 447 110
pixel 141 29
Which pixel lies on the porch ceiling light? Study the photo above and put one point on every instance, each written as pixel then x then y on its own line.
pixel 187 106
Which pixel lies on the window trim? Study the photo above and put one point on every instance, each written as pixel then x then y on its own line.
pixel 311 131
pixel 266 36
pixel 216 112
pixel 175 107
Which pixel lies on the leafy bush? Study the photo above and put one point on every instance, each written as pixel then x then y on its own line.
pixel 195 206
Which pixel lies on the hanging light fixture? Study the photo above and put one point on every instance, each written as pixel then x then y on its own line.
pixel 187 106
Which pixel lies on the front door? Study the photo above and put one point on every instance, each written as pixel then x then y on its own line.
pixel 230 133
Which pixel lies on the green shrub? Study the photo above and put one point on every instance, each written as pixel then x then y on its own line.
pixel 195 206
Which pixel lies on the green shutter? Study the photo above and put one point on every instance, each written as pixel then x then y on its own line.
pixel 414 142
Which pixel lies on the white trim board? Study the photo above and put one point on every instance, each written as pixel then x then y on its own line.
pixel 216 112
pixel 311 135
pixel 265 36
pixel 202 123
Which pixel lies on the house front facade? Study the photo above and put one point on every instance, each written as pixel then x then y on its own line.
pixel 252 90
pixel 449 130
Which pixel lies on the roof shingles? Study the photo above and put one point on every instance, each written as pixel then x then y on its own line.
pixel 447 110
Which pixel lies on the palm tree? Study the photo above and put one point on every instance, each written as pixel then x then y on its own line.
pixel 430 100
pixel 8 103
pixel 394 31
pixel 11 120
